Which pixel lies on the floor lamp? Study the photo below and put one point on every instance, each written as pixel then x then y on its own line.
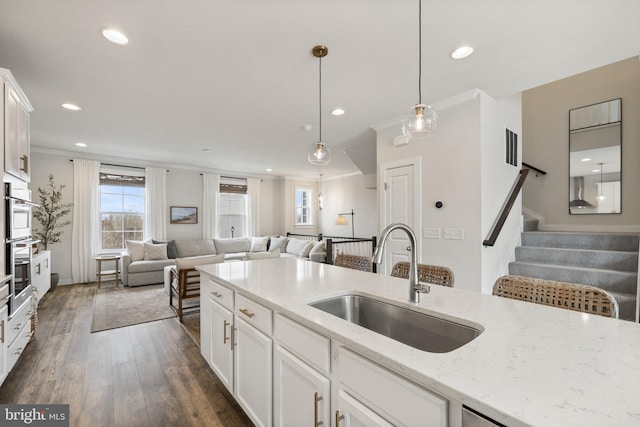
pixel 342 220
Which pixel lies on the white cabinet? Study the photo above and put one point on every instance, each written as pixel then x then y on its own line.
pixel 220 350
pixel 301 394
pixel 386 394
pixel 41 272
pixel 3 343
pixel 16 133
pixel 351 413
pixel 18 332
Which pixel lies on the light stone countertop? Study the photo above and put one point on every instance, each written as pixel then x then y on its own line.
pixel 532 364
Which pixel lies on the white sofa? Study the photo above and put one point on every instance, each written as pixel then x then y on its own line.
pixel 139 269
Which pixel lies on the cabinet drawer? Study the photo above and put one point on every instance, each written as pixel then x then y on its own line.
pixel 18 320
pixel 17 347
pixel 393 397
pixel 220 294
pixel 308 345
pixel 253 313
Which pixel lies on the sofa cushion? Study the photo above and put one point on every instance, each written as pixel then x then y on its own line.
pixel 318 247
pixel 189 248
pixel 145 266
pixel 263 255
pixel 153 252
pixel 278 243
pixel 172 250
pixel 299 247
pixel 191 262
pixel 259 244
pixel 136 249
pixel 238 244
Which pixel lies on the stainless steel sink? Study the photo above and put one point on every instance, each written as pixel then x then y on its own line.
pixel 414 328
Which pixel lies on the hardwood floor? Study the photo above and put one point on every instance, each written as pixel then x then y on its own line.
pixel 150 374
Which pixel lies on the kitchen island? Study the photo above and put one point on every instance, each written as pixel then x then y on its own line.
pixel 532 364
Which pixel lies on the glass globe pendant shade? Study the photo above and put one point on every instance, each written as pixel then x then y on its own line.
pixel 601 198
pixel 319 154
pixel 419 122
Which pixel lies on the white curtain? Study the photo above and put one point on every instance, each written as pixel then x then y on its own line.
pixel 155 203
pixel 86 225
pixel 210 191
pixel 253 208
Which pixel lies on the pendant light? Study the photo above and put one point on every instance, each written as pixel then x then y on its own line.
pixel 319 154
pixel 601 197
pixel 421 120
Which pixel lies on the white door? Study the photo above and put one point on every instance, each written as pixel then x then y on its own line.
pixel 351 413
pixel 400 203
pixel 301 394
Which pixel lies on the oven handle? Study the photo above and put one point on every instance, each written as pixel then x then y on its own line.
pixel 22 202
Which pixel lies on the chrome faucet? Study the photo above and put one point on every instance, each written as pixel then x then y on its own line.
pixel 415 287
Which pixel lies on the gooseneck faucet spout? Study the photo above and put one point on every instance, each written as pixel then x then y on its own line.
pixel 415 288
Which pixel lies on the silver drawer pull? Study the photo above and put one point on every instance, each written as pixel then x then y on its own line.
pixel 18 326
pixel 246 312
pixel 216 294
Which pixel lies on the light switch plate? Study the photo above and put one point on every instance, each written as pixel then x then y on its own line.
pixel 454 233
pixel 431 233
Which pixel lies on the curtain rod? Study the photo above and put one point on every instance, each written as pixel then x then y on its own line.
pixel 232 177
pixel 121 166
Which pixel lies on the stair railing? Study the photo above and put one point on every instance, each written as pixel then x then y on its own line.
pixel 497 227
pixel 538 171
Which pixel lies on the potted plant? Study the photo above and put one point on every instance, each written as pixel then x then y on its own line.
pixel 50 215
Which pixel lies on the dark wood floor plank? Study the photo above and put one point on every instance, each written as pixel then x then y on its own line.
pixel 149 374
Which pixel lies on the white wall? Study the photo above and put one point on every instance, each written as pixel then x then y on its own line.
pixel 184 188
pixel 342 195
pixel 458 169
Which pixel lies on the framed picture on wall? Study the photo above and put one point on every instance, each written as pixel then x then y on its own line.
pixel 184 215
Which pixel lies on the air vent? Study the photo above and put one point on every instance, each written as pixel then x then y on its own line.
pixel 512 147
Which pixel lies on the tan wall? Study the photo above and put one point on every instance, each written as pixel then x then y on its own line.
pixel 545 116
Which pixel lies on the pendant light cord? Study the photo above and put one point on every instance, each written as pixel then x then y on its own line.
pixel 320 96
pixel 419 51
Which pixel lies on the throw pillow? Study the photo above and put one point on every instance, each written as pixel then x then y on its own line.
pixel 296 246
pixel 172 249
pixel 263 255
pixel 259 244
pixel 318 248
pixel 191 262
pixel 136 249
pixel 153 252
pixel 278 243
pixel 189 248
pixel 304 252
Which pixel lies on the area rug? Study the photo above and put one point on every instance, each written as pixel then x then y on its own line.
pixel 122 306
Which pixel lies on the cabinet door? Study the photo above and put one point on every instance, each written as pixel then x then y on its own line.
pixel 3 343
pixel 301 394
pixel 24 142
pixel 205 323
pixel 253 364
pixel 351 413
pixel 221 353
pixel 11 132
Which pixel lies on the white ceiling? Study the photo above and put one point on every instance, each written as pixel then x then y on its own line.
pixel 237 76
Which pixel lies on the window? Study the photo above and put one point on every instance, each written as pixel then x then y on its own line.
pixel 232 208
pixel 303 206
pixel 121 210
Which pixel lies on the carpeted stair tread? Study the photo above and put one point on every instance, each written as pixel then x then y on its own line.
pixel 610 280
pixel 588 258
pixel 626 305
pixel 595 241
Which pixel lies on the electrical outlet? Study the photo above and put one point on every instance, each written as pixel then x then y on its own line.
pixel 431 233
pixel 454 233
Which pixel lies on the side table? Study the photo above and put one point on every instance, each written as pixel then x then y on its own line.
pixel 100 273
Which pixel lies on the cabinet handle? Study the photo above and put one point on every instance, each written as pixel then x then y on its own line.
pixel 216 294
pixel 234 331
pixel 38 269
pixel 316 398
pixel 46 263
pixel 224 332
pixel 2 328
pixel 338 418
pixel 25 164
pixel 18 326
pixel 246 312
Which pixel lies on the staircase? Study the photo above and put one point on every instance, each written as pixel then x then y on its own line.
pixel 607 261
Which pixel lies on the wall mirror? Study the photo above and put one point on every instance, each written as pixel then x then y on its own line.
pixel 595 141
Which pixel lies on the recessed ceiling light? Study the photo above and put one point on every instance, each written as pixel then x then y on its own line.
pixel 595 170
pixel 269 170
pixel 586 159
pixel 114 36
pixel 337 111
pixel 206 149
pixel 72 107
pixel 462 52
pixel 81 144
